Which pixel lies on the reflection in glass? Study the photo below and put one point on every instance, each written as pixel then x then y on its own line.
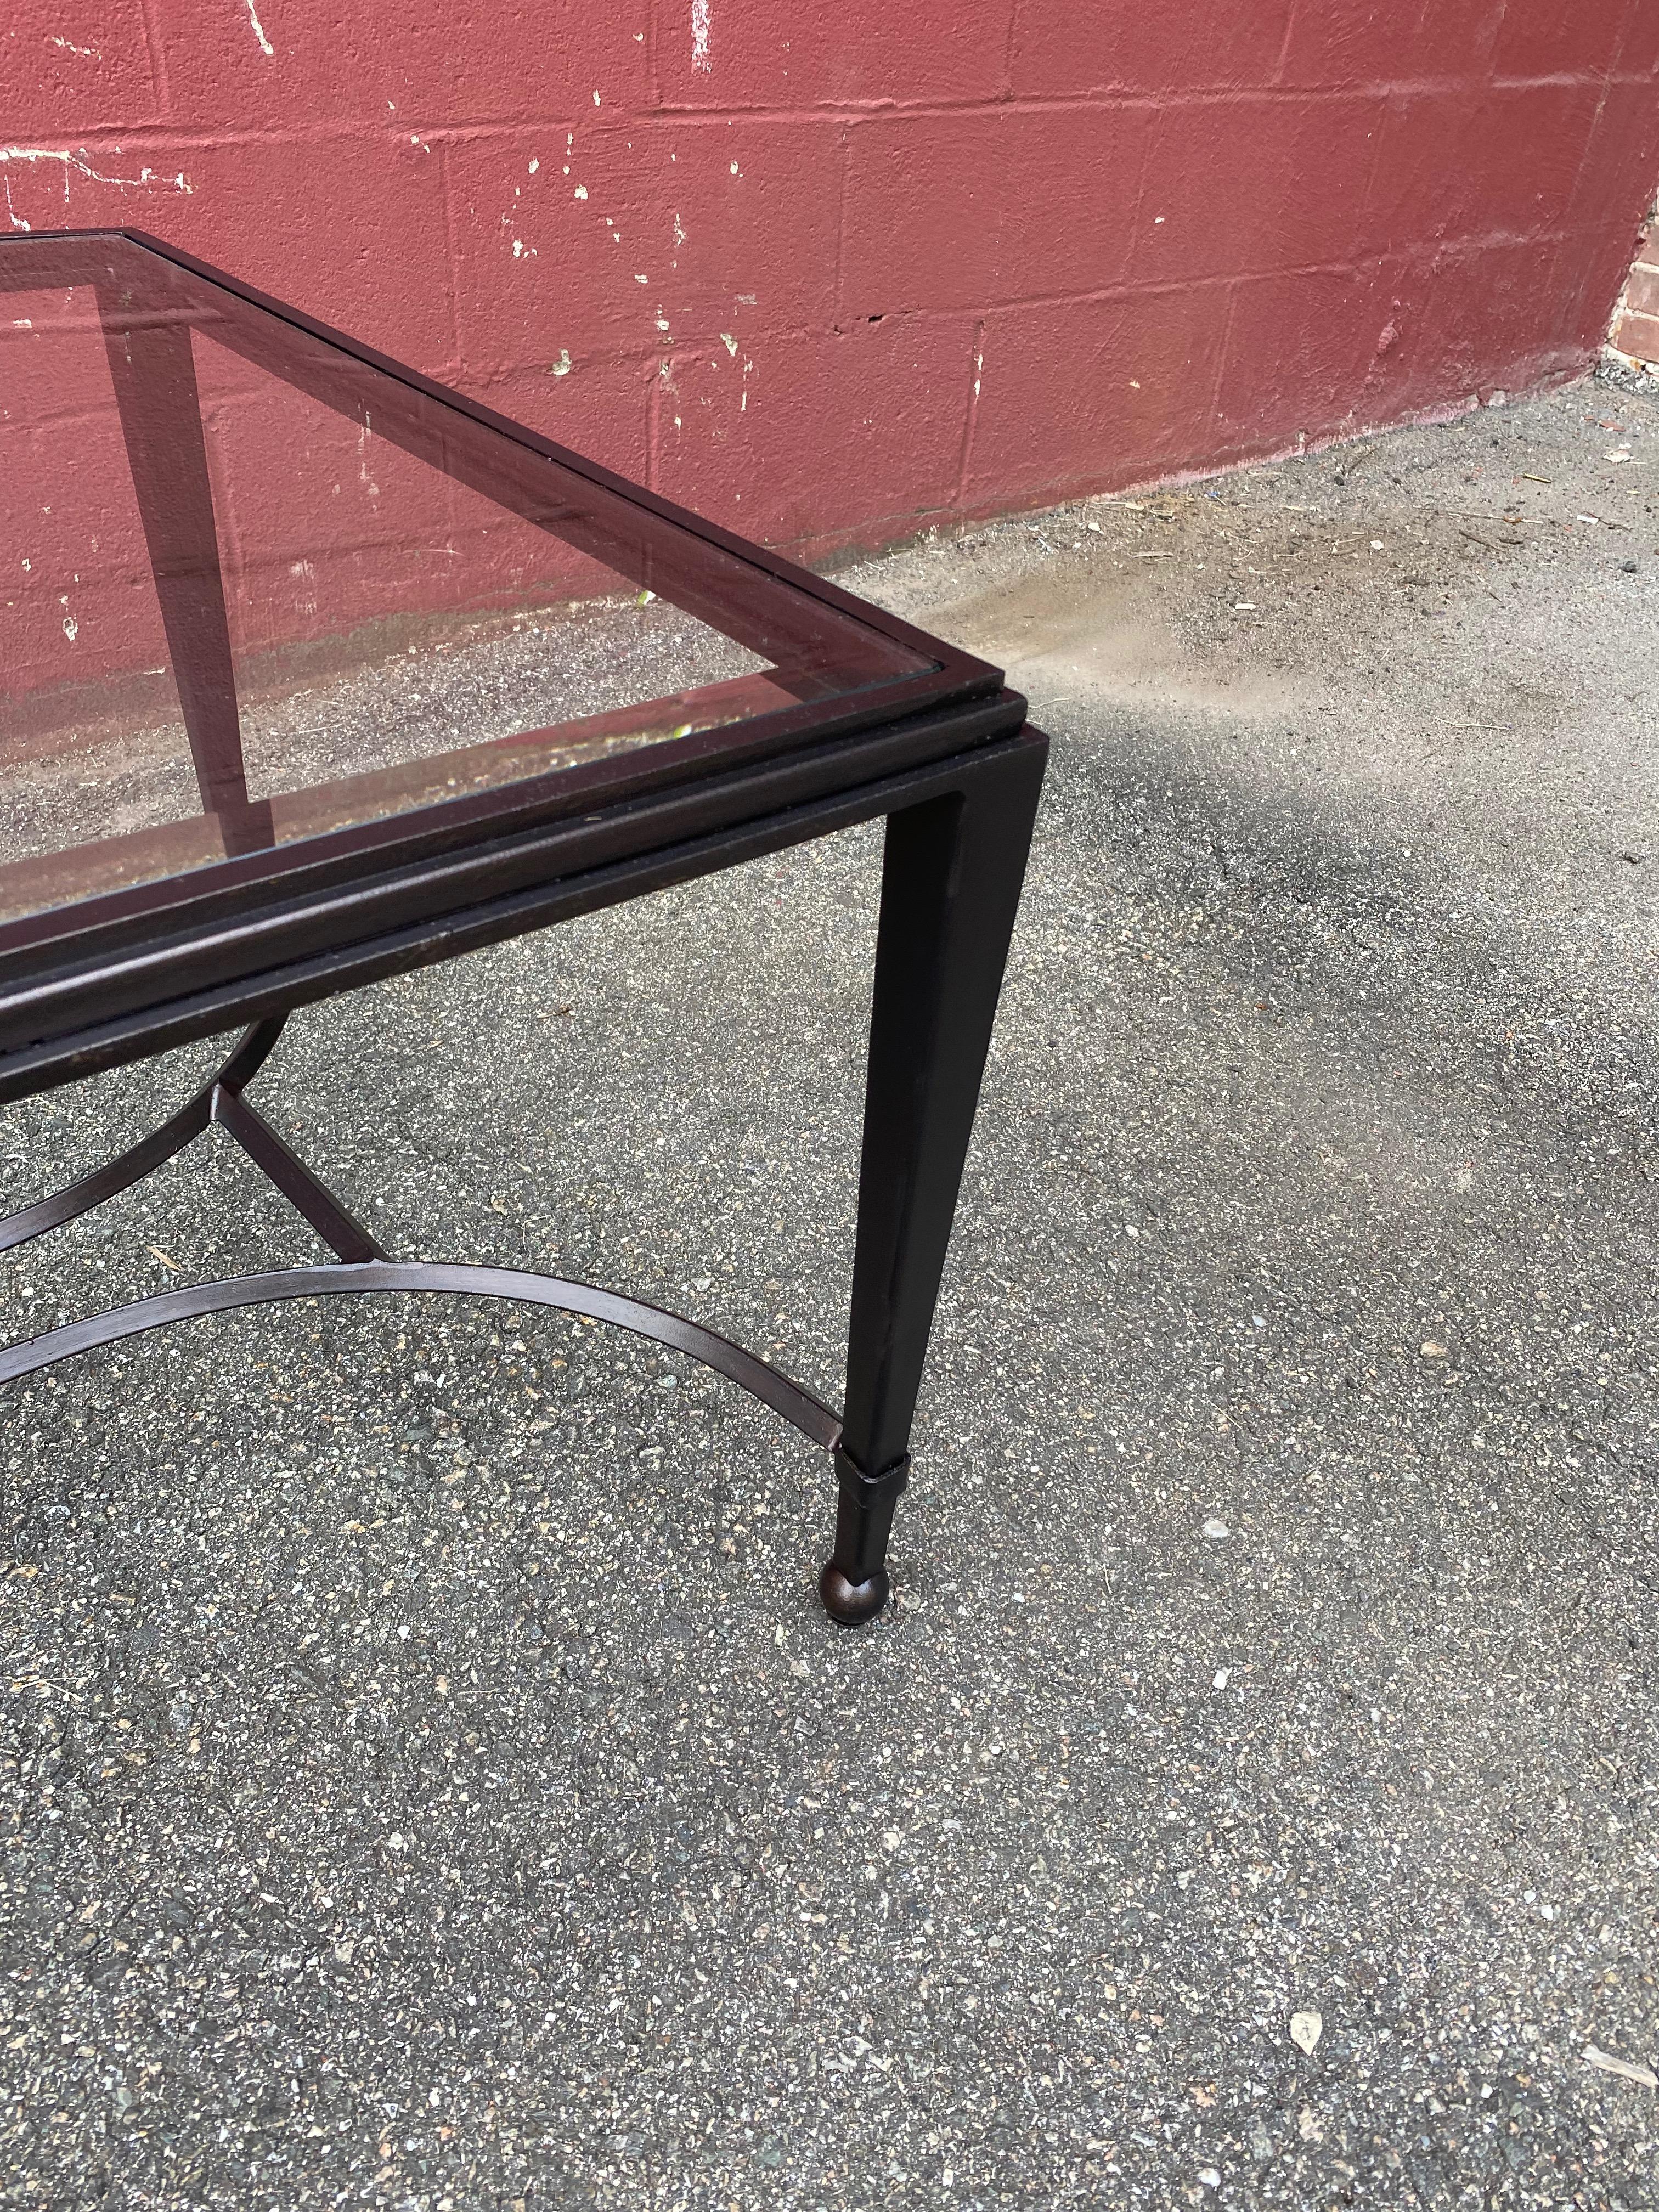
pixel 261 587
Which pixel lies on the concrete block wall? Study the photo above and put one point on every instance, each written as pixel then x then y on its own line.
pixel 834 274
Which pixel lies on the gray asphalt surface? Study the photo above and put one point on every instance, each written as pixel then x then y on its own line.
pixel 432 1783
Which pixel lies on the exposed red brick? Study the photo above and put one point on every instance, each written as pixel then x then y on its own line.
pixel 1587 266
pixel 1638 335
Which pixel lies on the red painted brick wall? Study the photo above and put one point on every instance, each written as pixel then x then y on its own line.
pixel 832 273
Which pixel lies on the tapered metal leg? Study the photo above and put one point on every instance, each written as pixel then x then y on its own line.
pixel 155 391
pixel 951 885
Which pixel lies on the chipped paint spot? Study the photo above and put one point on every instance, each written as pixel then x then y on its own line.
pixel 639 276
pixel 70 48
pixel 735 170
pixel 562 366
pixel 77 163
pixel 699 28
pixel 581 192
pixel 534 166
pixel 70 625
pixel 729 344
pixel 265 46
pixel 679 230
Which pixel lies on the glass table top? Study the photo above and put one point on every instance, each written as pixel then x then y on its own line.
pixel 260 588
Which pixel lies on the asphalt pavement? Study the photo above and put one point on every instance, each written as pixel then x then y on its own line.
pixel 430 1780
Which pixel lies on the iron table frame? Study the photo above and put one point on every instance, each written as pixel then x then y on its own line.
pixel 958 786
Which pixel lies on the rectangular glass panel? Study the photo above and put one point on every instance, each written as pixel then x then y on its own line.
pixel 257 589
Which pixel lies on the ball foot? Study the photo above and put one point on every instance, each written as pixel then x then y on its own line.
pixel 852 1602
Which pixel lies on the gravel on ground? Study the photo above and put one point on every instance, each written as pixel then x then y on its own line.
pixel 429 1780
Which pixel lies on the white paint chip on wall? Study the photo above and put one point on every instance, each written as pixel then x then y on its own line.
pixel 72 163
pixel 700 35
pixel 266 46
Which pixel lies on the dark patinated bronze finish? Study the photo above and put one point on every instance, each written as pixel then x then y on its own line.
pixel 363 1265
pixel 853 1585
pixel 927 738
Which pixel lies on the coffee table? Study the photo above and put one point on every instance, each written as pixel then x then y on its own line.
pixel 316 672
